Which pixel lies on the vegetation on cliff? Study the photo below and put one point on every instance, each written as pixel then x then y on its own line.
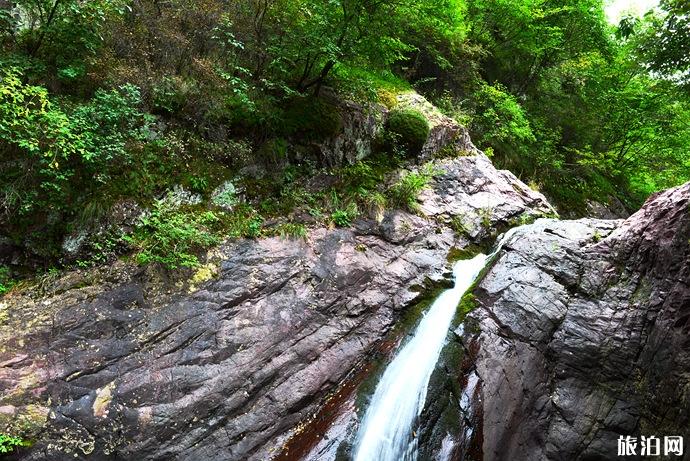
pixel 106 101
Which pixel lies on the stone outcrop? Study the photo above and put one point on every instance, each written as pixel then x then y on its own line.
pixel 120 362
pixel 443 131
pixel 361 125
pixel 580 336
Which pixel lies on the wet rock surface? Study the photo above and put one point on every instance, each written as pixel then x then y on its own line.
pixel 581 335
pixel 128 363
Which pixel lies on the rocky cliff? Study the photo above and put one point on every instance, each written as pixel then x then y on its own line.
pixel 120 362
pixel 581 335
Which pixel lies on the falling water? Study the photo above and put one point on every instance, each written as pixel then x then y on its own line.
pixel 386 432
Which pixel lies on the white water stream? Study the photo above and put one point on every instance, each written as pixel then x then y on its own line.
pixel 387 430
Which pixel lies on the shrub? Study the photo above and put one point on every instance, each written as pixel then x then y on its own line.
pixel 6 282
pixel 171 236
pixel 499 117
pixel 244 222
pixel 375 204
pixel 403 194
pixel 311 119
pixel 408 128
pixel 292 230
pixel 344 217
pixel 170 95
pixel 9 443
pixel 55 154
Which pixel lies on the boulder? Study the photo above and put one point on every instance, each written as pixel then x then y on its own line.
pixel 580 337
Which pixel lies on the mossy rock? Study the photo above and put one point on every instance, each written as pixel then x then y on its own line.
pixel 408 128
pixel 387 97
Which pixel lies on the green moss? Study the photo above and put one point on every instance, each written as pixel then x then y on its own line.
pixel 467 304
pixel 467 252
pixel 368 85
pixel 408 128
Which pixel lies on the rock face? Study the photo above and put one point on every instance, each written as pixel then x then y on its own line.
pixel 580 336
pixel 120 363
pixel 443 130
pixel 361 124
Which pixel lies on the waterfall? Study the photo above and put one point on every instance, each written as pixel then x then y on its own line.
pixel 387 429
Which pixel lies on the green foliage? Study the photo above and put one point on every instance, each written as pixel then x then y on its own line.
pixel 404 193
pixel 60 155
pixel 344 217
pixel 408 128
pixel 549 89
pixel 171 94
pixel 370 85
pixel 6 281
pixel 666 45
pixel 596 237
pixel 559 100
pixel 171 236
pixel 226 196
pixel 499 117
pixel 310 119
pixel 292 230
pixel 64 34
pixel 8 443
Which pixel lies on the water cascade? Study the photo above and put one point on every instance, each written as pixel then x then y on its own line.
pixel 387 432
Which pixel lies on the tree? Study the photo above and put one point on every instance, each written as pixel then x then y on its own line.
pixel 666 45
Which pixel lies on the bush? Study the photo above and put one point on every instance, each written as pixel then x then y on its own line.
pixel 499 116
pixel 6 282
pixel 311 119
pixel 171 94
pixel 170 236
pixel 9 443
pixel 344 217
pixel 292 230
pixel 244 222
pixel 408 128
pixel 55 156
pixel 403 194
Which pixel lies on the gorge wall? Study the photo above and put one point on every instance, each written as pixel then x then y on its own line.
pixel 579 332
pixel 121 361
pixel 580 336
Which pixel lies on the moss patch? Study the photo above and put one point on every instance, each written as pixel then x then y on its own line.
pixel 468 252
pixel 408 128
pixel 203 274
